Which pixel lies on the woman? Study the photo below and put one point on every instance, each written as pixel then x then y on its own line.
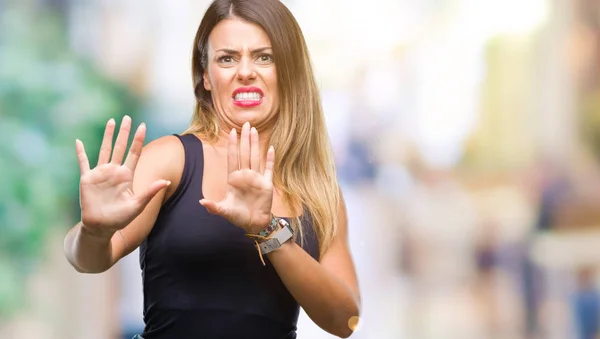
pixel 234 234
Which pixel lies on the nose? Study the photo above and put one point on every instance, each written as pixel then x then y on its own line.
pixel 246 70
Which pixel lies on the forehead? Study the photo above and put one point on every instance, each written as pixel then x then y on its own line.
pixel 237 34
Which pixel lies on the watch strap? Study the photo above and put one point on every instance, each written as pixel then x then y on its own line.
pixel 274 225
pixel 277 239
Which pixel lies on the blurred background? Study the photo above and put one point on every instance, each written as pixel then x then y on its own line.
pixel 467 137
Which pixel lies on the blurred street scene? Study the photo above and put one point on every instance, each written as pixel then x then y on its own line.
pixel 467 137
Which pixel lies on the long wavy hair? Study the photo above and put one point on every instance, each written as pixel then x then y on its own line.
pixel 304 169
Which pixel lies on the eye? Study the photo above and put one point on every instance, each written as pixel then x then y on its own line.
pixel 265 58
pixel 225 59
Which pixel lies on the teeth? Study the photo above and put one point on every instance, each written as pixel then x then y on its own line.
pixel 255 96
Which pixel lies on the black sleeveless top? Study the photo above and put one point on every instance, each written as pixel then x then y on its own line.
pixel 202 277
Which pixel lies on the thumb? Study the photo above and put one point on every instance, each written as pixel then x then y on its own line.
pixel 210 206
pixel 152 190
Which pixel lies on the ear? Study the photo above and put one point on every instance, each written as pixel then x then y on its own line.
pixel 206 81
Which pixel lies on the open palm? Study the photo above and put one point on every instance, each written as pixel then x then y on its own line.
pixel 108 202
pixel 247 202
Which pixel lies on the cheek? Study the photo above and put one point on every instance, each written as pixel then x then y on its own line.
pixel 272 83
pixel 219 80
pixel 273 78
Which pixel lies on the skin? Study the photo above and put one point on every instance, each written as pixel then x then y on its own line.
pixel 119 208
pixel 240 55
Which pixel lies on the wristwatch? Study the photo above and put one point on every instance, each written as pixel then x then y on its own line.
pixel 278 238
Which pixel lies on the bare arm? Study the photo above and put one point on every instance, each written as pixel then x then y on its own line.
pixel 118 211
pixel 88 252
pixel 327 291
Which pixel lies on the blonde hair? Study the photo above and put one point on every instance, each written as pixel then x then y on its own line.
pixel 304 167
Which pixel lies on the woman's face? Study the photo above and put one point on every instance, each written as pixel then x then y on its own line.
pixel 241 74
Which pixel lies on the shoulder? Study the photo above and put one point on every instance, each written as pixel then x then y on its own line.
pixel 163 145
pixel 164 151
pixel 163 158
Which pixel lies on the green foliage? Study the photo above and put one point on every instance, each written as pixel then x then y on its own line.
pixel 48 97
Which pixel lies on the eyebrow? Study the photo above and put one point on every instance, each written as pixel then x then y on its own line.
pixel 233 51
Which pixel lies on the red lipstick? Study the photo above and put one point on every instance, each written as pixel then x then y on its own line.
pixel 248 101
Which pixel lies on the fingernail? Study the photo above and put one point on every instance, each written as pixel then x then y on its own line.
pixel 111 121
pixel 168 182
pixel 253 129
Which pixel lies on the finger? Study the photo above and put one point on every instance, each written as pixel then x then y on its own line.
pixel 151 191
pixel 270 164
pixel 84 164
pixel 210 206
pixel 254 150
pixel 121 143
pixel 135 151
pixel 106 146
pixel 245 147
pixel 232 152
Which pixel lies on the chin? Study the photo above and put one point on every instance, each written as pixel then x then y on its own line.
pixel 254 118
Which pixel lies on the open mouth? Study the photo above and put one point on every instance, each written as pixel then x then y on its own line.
pixel 247 97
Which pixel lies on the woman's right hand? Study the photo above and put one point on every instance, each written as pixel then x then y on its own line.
pixel 108 202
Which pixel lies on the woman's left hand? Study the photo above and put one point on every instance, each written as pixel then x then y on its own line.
pixel 247 202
